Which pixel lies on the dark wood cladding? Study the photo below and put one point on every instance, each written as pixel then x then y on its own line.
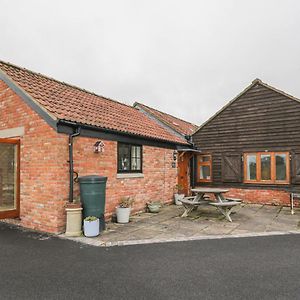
pixel 260 119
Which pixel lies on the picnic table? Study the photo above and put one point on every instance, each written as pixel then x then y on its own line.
pixel 224 205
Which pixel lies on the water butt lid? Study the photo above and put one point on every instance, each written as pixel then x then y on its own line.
pixel 92 179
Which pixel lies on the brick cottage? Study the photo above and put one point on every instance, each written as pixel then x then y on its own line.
pixel 40 118
pixel 184 129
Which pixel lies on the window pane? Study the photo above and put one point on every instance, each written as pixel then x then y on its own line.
pixel 136 151
pixel 251 167
pixel 136 158
pixel 281 166
pixel 205 172
pixel 135 164
pixel 8 176
pixel 265 166
pixel 204 158
pixel 124 158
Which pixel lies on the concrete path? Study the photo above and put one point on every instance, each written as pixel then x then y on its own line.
pixel 205 223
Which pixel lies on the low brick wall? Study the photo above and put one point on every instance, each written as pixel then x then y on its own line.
pixel 260 196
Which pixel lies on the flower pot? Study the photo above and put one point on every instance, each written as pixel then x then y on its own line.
pixel 177 198
pixel 154 207
pixel 74 219
pixel 91 228
pixel 123 214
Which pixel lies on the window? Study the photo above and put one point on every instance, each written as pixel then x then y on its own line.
pixel 204 168
pixel 251 167
pixel 129 158
pixel 267 167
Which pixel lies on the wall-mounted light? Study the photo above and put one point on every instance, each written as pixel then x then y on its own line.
pixel 99 147
pixel 175 152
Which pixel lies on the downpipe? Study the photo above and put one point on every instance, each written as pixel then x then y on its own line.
pixel 71 165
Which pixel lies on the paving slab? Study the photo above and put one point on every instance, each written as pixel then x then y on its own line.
pixel 205 222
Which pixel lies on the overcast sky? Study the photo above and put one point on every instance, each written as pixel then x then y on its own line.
pixel 187 58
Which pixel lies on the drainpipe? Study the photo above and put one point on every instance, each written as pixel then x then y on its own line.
pixel 71 165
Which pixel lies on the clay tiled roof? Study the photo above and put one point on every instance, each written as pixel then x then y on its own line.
pixel 180 126
pixel 67 102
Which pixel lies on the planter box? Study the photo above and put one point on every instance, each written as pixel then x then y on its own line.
pixel 91 228
pixel 123 214
pixel 73 220
pixel 178 197
pixel 154 207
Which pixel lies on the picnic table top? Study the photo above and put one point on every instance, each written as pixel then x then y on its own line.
pixel 209 190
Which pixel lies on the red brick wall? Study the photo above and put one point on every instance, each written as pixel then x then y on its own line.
pixel 44 168
pixel 157 183
pixel 265 196
pixel 42 164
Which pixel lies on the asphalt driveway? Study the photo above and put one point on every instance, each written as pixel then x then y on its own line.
pixel 35 266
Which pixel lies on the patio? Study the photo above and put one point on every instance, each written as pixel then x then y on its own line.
pixel 204 223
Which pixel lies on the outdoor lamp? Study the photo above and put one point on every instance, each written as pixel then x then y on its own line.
pixel 175 155
pixel 99 147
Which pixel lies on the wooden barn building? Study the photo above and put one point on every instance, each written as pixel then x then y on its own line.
pixel 252 146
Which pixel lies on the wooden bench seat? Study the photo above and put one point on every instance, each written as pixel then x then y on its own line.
pixel 234 199
pixel 191 198
pixel 224 204
pixel 225 207
pixel 190 204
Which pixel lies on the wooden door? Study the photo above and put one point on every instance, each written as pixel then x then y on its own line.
pixel 9 178
pixel 184 172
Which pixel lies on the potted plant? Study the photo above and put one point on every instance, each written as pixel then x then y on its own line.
pixel 91 226
pixel 154 206
pixel 123 210
pixel 178 194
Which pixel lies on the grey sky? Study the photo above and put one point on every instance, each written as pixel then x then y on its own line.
pixel 188 58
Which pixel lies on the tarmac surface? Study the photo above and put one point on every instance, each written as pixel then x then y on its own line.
pixel 38 266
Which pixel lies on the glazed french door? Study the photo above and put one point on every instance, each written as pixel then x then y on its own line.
pixel 9 178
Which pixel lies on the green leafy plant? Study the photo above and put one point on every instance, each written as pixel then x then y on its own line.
pixel 126 202
pixel 90 219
